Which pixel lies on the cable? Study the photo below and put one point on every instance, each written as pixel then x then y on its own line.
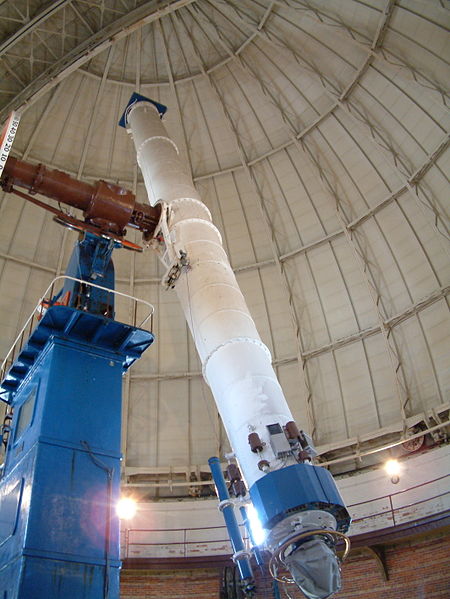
pixel 109 473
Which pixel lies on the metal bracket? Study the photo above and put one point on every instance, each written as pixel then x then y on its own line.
pixel 308 445
pixel 171 253
pixel 174 271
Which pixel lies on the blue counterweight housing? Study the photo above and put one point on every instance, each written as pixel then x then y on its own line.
pixel 297 488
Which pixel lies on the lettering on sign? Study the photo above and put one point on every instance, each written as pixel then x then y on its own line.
pixel 7 137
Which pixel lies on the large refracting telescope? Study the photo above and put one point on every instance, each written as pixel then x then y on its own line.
pixel 298 503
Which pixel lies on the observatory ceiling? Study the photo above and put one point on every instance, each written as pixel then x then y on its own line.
pixel 317 133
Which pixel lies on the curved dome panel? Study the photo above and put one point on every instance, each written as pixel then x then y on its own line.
pixel 317 135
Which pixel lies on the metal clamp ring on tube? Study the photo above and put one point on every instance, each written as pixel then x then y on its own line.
pixel 224 504
pixel 243 554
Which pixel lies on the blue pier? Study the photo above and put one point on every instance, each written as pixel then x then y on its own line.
pixel 60 480
pixel 59 534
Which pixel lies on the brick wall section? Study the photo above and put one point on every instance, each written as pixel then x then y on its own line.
pixel 417 570
pixel 178 584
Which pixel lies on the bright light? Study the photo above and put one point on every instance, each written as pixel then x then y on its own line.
pixel 258 532
pixel 393 467
pixel 126 508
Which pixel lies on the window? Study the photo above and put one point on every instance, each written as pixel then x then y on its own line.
pixel 26 411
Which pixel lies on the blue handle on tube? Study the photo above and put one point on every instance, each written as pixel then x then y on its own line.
pixel 234 533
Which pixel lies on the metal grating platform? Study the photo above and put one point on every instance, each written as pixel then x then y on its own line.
pixel 69 323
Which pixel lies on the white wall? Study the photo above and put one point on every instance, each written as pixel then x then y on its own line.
pixel 377 501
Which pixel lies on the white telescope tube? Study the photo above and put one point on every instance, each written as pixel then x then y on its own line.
pixel 236 364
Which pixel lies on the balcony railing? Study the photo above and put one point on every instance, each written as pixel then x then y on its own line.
pixel 213 540
pixel 37 313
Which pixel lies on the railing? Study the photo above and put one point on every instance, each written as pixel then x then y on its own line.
pixel 184 547
pixel 36 314
pixel 182 542
pixel 390 513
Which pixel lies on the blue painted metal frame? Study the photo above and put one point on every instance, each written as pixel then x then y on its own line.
pixel 91 261
pixel 125 340
pixel 59 535
pixel 245 570
pixel 135 97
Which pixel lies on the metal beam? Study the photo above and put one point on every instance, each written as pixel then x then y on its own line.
pixel 383 24
pixel 354 224
pixel 50 9
pixel 81 18
pixel 367 276
pixel 89 48
pixel 90 130
pixel 28 263
pixel 375 46
pixel 389 323
pixel 376 134
pixel 354 446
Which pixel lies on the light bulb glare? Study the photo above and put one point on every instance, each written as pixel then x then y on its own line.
pixel 258 532
pixel 393 468
pixel 126 508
